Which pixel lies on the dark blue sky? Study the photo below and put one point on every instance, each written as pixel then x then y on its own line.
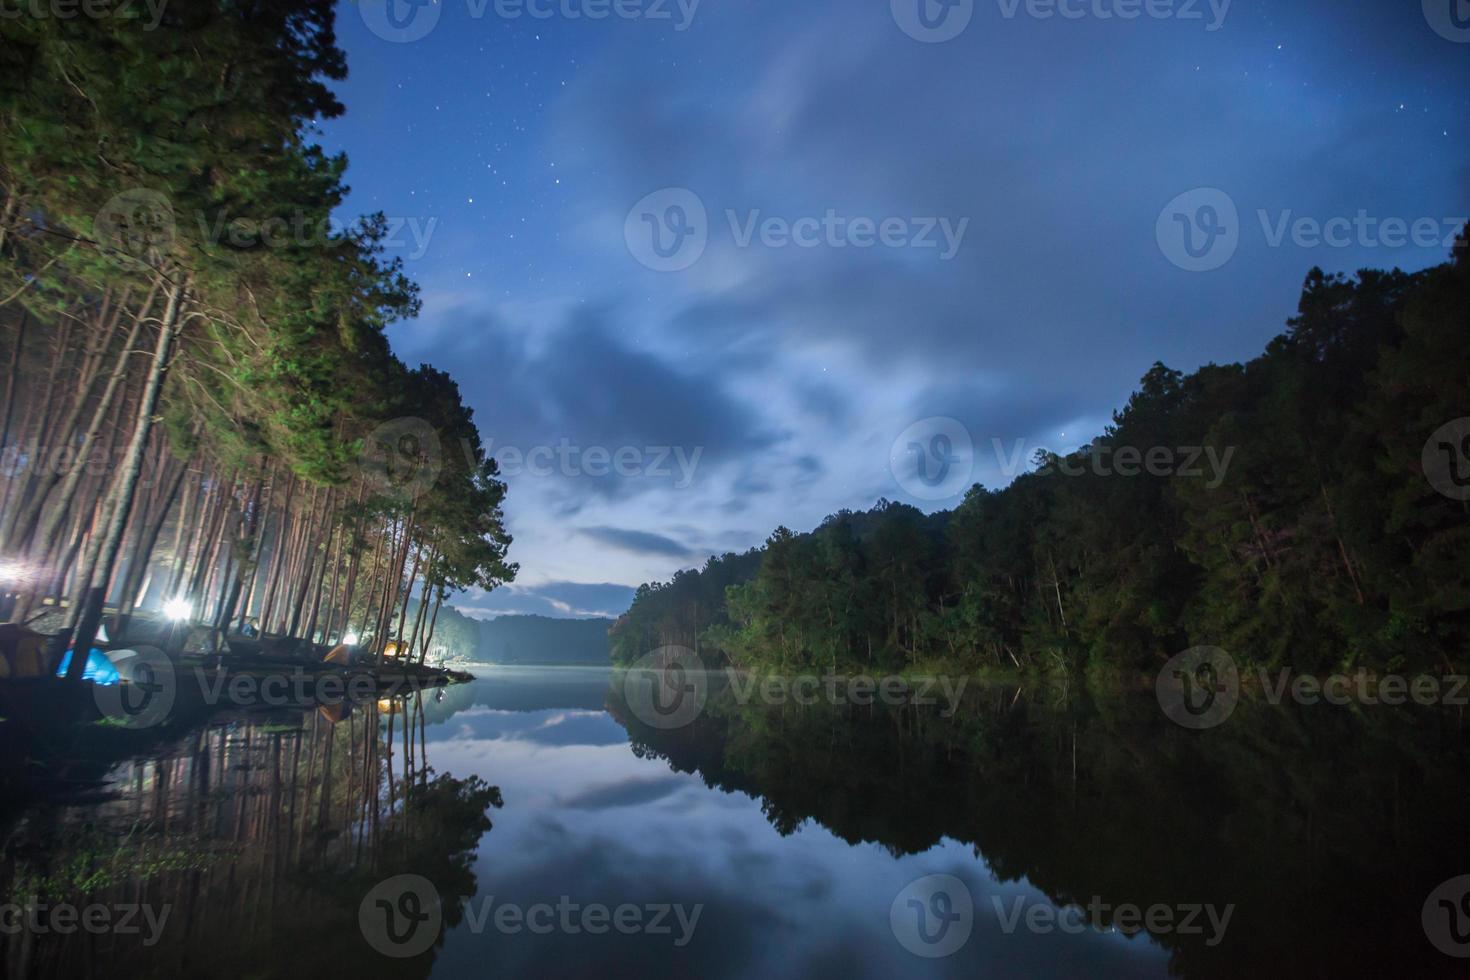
pixel 989 229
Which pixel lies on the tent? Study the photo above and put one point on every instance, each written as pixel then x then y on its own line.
pixel 342 656
pixel 99 670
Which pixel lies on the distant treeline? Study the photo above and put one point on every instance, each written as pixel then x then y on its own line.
pixel 543 640
pixel 1336 537
pixel 456 636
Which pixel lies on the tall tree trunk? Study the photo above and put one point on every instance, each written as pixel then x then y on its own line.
pixel 133 587
pixel 433 622
pixel 12 378
pixel 20 525
pixel 47 526
pixel 127 486
pixel 12 208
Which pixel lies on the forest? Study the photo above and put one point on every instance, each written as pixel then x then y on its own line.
pixel 200 411
pixel 543 640
pixel 1335 538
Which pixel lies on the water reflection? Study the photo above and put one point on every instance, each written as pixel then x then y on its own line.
pixel 1324 829
pixel 793 831
pixel 245 846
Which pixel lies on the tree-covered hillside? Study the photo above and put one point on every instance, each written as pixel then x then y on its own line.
pixel 544 640
pixel 1323 543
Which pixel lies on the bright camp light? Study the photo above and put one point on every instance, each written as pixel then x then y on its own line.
pixel 350 639
pixel 178 609
pixel 11 571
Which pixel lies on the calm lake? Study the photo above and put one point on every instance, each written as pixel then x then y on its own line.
pixel 538 822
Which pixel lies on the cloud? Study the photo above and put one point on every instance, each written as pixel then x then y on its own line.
pixel 793 370
pixel 633 791
pixel 574 388
pixel 641 542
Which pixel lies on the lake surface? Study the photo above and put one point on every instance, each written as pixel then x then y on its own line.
pixel 539 822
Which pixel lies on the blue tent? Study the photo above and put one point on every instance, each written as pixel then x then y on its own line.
pixel 100 670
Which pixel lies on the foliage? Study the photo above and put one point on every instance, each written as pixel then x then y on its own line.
pixel 1317 543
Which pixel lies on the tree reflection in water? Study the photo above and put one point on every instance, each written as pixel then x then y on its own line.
pixel 262 835
pixel 1326 827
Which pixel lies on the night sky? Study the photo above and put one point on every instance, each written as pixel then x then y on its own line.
pixel 1067 157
